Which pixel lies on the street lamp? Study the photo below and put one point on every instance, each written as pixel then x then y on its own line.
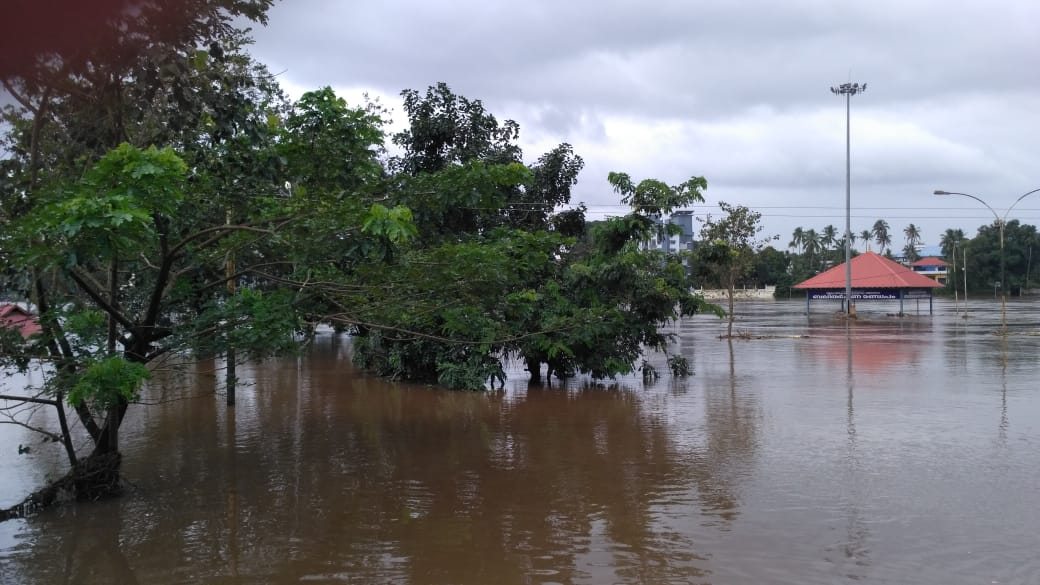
pixel 1001 221
pixel 848 90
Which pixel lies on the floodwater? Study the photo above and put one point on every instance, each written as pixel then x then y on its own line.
pixel 889 450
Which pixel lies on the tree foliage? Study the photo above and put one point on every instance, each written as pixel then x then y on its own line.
pixel 1021 243
pixel 497 273
pixel 162 197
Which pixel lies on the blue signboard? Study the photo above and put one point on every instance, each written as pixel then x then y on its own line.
pixel 885 294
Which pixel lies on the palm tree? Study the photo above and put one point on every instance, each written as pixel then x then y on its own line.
pixel 881 236
pixel 829 236
pixel 797 239
pixel 839 248
pixel 813 245
pixel 913 237
pixel 864 237
pixel 948 239
pixel 948 243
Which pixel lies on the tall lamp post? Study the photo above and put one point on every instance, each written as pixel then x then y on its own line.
pixel 1001 221
pixel 848 90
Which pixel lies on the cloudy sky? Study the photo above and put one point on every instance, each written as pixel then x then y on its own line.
pixel 737 92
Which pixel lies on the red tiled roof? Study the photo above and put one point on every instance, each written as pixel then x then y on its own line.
pixel 930 261
pixel 15 317
pixel 870 271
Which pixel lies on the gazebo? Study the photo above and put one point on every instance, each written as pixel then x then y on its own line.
pixel 874 278
pixel 15 317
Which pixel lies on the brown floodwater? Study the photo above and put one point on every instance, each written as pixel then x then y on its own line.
pixel 889 450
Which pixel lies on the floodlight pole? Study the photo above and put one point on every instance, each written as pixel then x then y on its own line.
pixel 848 90
pixel 1001 222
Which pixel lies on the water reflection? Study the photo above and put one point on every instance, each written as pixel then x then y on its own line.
pixel 855 550
pixel 881 451
pixel 322 473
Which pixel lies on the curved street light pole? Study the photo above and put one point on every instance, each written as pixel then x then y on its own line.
pixel 848 90
pixel 1001 221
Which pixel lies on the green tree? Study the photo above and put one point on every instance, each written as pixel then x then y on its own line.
pixel 451 147
pixel 770 266
pixel 984 257
pixel 127 247
pixel 813 248
pixel 75 206
pixel 591 306
pixel 948 239
pixel 729 248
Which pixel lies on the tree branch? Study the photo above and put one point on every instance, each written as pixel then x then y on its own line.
pixel 29 399
pixel 100 300
pixel 222 230
pixel 50 435
pixel 21 99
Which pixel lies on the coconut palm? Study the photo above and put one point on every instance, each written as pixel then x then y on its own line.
pixel 948 239
pixel 797 239
pixel 881 235
pixel 913 237
pixel 864 237
pixel 812 245
pixel 829 236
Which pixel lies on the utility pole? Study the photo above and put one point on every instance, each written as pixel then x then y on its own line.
pixel 964 257
pixel 953 280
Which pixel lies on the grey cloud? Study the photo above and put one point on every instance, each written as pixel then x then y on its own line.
pixel 952 98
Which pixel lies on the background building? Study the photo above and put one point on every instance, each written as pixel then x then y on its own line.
pixel 678 242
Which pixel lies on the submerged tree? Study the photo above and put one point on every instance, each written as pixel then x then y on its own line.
pixel 984 256
pixel 499 272
pixel 729 248
pixel 95 220
pixel 126 249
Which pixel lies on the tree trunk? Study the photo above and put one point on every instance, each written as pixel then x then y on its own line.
pixel 108 440
pixel 231 379
pixel 534 365
pixel 63 424
pixel 93 478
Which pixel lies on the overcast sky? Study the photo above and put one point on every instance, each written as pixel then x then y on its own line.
pixel 737 92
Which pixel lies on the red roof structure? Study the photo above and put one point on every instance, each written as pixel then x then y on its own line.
pixel 14 317
pixel 930 261
pixel 870 271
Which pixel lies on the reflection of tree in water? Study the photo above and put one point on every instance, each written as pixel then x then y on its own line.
pixel 81 547
pixel 732 422
pixel 326 474
pixel 496 491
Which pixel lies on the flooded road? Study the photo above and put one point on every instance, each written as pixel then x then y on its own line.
pixel 887 450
